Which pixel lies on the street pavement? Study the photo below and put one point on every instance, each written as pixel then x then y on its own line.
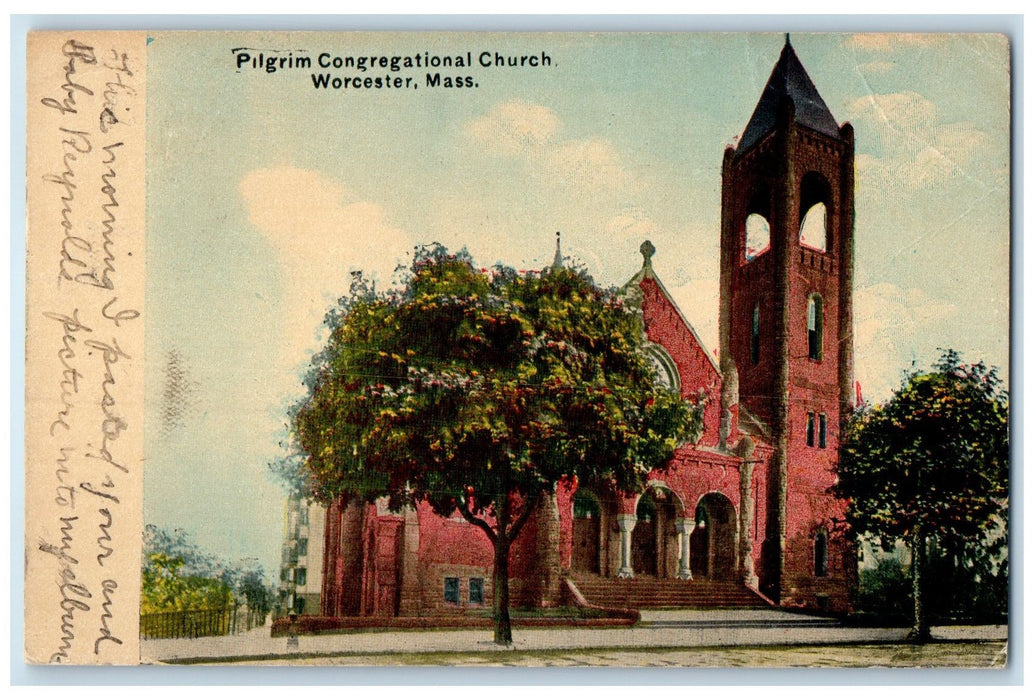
pixel 668 629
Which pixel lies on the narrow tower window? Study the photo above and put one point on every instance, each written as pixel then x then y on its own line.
pixel 810 434
pixel 821 554
pixel 815 327
pixel 755 336
pixel 822 430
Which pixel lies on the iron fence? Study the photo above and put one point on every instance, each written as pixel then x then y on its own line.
pixel 189 624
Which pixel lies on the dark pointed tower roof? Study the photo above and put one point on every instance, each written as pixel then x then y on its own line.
pixel 790 81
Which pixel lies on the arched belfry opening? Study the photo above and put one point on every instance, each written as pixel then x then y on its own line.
pixel 757 227
pixel 816 205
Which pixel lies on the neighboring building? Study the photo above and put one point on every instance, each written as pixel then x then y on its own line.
pixel 748 507
pixel 301 557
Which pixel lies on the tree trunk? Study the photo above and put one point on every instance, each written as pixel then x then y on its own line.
pixel 501 572
pixel 502 536
pixel 501 591
pixel 920 632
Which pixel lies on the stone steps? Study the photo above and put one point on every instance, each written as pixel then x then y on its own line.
pixel 648 592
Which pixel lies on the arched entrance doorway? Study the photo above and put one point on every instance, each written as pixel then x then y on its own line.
pixel 585 549
pixel 713 542
pixel 655 550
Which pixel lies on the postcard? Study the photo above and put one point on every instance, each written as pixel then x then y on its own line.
pixel 533 349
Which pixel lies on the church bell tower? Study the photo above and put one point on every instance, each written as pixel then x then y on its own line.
pixel 787 255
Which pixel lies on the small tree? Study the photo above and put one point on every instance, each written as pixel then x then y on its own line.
pixel 167 588
pixel 478 391
pixel 178 575
pixel 930 465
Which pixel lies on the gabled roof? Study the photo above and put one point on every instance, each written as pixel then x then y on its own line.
pixel 789 80
pixel 646 271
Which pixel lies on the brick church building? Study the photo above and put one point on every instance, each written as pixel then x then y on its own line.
pixel 742 517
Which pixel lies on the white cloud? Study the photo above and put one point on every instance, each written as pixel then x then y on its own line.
pixel 913 148
pixel 530 133
pixel 891 326
pixel 321 233
pixel 631 226
pixel 877 67
pixel 314 222
pixel 592 163
pixel 516 127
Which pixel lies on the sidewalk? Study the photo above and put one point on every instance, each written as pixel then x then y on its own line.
pixel 658 629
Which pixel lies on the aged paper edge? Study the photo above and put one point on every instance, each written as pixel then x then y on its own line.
pixel 84 371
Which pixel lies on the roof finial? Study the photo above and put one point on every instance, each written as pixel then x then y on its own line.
pixel 558 258
pixel 647 250
pixel 788 40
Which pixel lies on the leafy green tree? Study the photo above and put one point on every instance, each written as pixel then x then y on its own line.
pixel 167 589
pixel 478 391
pixel 885 590
pixel 178 575
pixel 930 467
pixel 251 585
pixel 972 580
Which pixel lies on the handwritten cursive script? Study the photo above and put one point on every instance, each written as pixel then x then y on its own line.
pixel 86 342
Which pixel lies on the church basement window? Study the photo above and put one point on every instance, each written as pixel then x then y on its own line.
pixel 452 590
pixel 477 591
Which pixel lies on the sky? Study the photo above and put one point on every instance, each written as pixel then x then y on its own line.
pixel 264 193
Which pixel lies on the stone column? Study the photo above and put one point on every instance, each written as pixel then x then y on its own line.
pixel 411 601
pixel 331 590
pixel 845 303
pixel 350 573
pixel 684 526
pixel 626 523
pixel 547 552
pixel 660 547
pixel 746 450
